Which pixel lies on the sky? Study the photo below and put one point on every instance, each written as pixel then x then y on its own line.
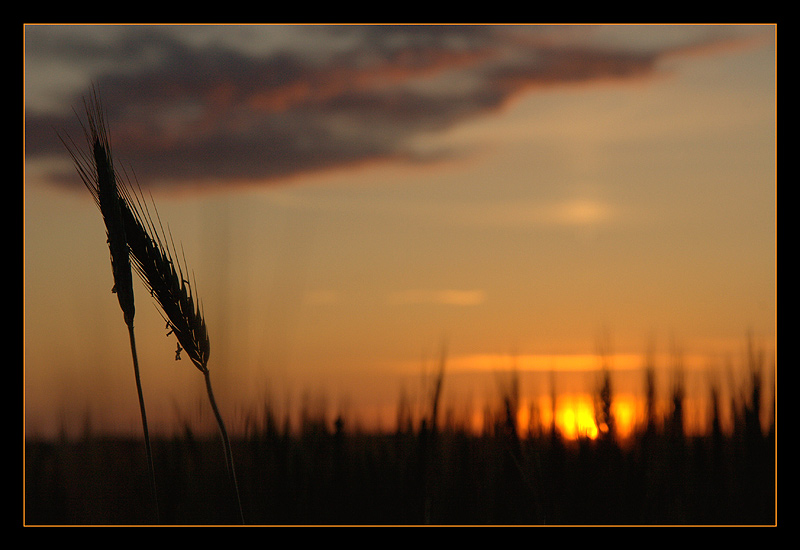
pixel 355 202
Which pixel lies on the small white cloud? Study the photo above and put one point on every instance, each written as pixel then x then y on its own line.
pixel 582 212
pixel 445 297
pixel 568 213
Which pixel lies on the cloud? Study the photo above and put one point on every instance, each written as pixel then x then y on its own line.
pixel 448 297
pixel 200 105
pixel 578 212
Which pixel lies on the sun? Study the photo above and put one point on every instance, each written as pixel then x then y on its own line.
pixel 575 418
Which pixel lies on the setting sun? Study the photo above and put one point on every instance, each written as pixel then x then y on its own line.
pixel 575 417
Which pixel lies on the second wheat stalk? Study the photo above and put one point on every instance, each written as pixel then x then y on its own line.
pixel 153 256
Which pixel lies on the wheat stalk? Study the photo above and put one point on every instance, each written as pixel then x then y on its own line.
pixel 154 257
pixel 96 169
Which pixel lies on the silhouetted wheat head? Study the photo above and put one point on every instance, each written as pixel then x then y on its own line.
pixel 154 258
pixel 96 169
pixel 134 238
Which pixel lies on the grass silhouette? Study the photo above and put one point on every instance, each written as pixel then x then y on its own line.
pixel 324 473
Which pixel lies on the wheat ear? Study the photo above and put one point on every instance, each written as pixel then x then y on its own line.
pixel 96 169
pixel 154 257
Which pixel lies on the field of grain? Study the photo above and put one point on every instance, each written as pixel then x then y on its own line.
pixel 323 473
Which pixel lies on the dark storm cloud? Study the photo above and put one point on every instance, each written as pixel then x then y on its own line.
pixel 195 112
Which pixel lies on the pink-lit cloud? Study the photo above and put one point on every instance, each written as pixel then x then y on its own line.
pixel 186 113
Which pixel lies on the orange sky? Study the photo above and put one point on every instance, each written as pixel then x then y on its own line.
pixel 347 216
